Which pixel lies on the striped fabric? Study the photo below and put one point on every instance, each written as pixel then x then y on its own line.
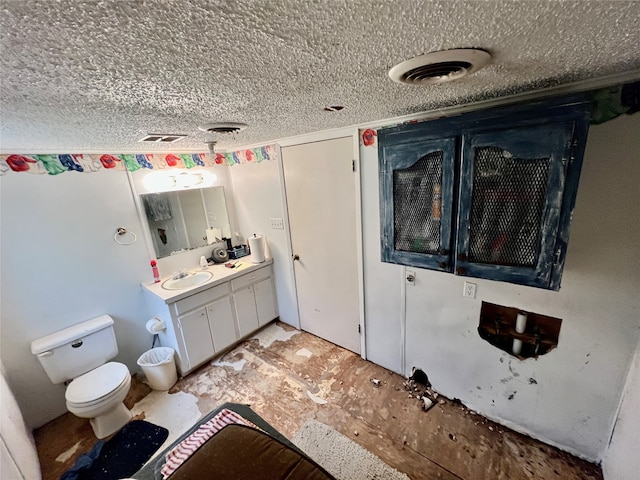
pixel 181 452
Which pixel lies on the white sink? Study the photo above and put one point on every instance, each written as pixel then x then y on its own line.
pixel 191 280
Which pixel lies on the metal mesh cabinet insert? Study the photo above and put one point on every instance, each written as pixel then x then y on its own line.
pixel 486 194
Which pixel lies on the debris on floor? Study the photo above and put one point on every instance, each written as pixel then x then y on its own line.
pixel 316 398
pixel 376 382
pixel 418 386
pixel 427 403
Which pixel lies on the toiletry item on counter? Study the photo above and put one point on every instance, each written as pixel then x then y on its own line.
pixel 156 272
pixel 203 262
pixel 213 235
pixel 238 252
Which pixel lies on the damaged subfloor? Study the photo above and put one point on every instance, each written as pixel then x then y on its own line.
pixel 288 376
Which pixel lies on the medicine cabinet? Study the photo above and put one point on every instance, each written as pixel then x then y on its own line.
pixel 487 194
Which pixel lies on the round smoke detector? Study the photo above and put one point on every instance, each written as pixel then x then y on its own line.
pixel 439 67
pixel 223 127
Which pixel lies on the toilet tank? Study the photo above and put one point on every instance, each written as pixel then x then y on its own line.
pixel 67 354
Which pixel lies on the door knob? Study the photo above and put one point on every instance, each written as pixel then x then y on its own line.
pixel 296 257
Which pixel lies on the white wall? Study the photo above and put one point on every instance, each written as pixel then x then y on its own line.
pixel 61 266
pixel 621 460
pixel 574 402
pixel 259 196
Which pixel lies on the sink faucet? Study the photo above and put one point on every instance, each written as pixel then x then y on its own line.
pixel 180 274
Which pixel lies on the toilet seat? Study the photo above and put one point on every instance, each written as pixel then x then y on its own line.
pixel 98 384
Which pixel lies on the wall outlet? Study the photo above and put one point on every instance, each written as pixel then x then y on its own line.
pixel 469 290
pixel 277 223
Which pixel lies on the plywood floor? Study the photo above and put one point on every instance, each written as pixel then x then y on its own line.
pixel 288 376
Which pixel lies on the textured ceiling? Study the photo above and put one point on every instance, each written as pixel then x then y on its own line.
pixel 82 76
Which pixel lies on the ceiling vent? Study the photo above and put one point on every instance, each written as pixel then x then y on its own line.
pixel 161 138
pixel 223 127
pixel 439 67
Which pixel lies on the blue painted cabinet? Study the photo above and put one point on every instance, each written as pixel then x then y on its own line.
pixel 417 185
pixel 487 195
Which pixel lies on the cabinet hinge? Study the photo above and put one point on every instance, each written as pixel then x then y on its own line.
pixel 359 329
pixel 353 165
pixel 556 256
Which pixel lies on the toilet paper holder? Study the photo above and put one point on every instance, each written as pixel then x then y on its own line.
pixel 155 325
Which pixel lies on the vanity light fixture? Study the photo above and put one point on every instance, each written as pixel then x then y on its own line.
pixel 187 179
pixel 166 181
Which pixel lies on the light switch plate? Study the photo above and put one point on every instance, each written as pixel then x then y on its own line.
pixel 469 290
pixel 277 223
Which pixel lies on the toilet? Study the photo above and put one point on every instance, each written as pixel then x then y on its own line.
pixel 80 355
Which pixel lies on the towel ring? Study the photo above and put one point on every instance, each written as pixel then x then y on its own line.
pixel 120 231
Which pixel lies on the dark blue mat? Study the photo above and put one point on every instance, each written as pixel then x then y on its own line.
pixel 122 455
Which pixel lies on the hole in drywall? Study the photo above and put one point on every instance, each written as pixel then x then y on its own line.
pixel 418 376
pixel 517 332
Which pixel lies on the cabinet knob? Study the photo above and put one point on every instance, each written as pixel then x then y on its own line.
pixel 442 265
pixel 296 257
pixel 461 271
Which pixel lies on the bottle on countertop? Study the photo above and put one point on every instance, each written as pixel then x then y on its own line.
pixel 156 272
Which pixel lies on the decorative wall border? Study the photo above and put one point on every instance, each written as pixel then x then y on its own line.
pixel 54 164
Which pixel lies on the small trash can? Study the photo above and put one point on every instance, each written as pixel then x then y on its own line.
pixel 159 367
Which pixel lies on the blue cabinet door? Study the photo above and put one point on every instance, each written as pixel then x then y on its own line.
pixel 505 181
pixel 512 186
pixel 416 202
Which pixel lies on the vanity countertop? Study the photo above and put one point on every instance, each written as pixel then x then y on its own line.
pixel 221 274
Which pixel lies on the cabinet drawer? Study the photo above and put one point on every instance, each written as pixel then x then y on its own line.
pixel 250 278
pixel 201 298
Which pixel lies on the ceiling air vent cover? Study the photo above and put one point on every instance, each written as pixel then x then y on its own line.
pixel 223 127
pixel 439 67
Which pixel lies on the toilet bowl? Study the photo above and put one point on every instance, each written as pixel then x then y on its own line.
pixel 99 395
pixel 80 354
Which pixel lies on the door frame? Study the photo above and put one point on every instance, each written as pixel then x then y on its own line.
pixel 353 133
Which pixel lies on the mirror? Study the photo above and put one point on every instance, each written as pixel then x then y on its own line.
pixel 184 219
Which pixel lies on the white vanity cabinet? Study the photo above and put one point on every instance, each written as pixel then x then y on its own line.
pixel 206 320
pixel 205 324
pixel 254 300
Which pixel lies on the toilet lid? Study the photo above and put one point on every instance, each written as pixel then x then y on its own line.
pixel 96 383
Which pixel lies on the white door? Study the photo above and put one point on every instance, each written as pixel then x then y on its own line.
pixel 321 199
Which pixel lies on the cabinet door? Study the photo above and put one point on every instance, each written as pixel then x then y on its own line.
pixel 222 323
pixel 196 336
pixel 416 201
pixel 511 196
pixel 265 301
pixel 245 305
